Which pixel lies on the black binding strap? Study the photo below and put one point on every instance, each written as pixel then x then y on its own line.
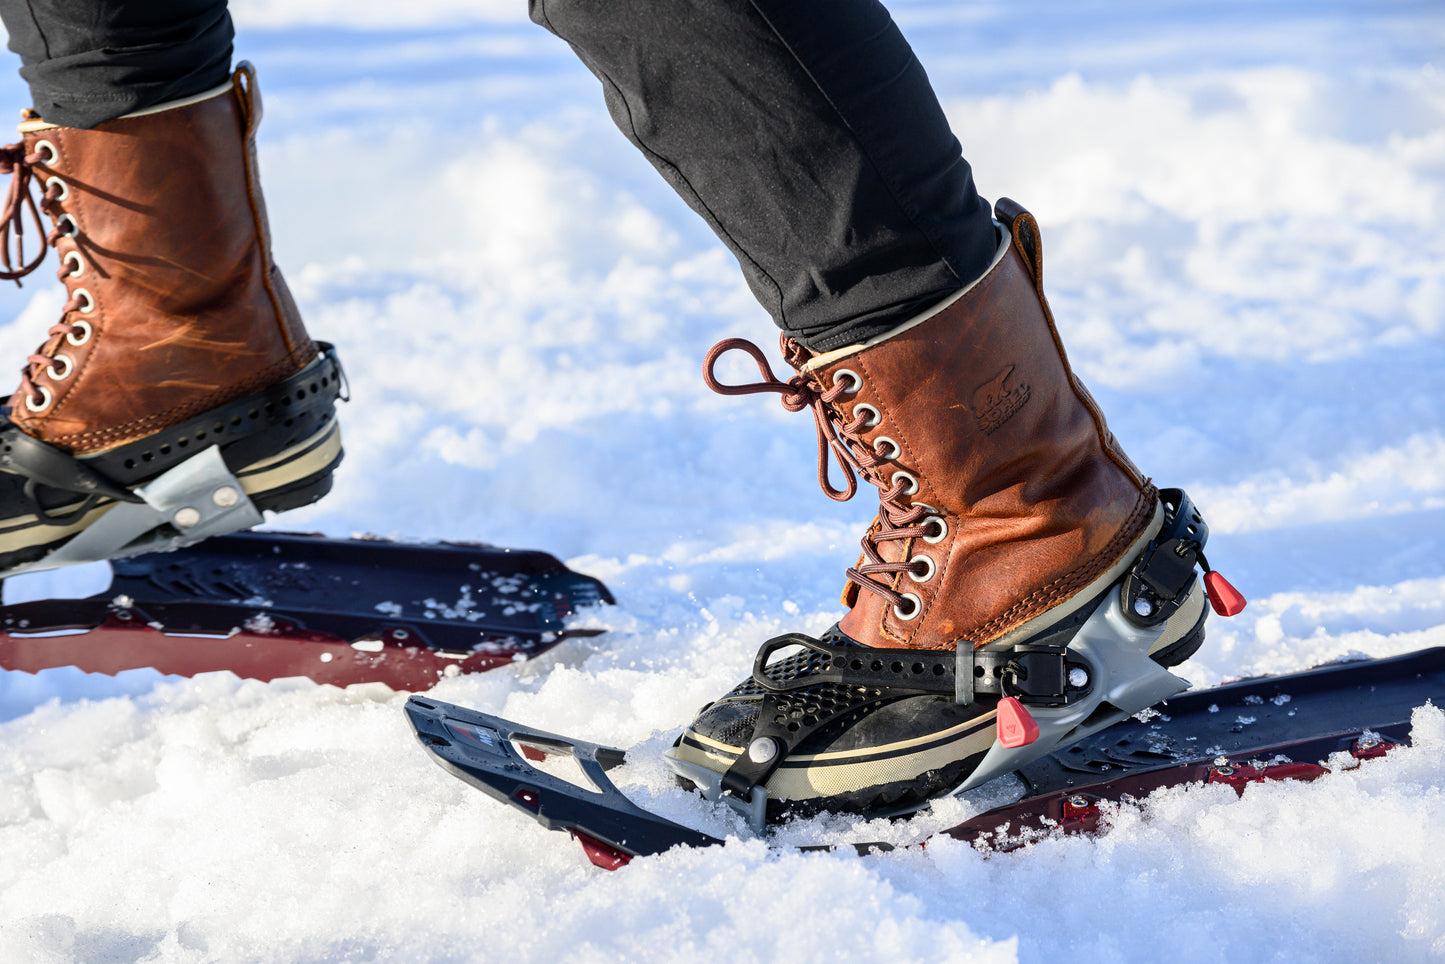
pixel 793 708
pixel 911 671
pixel 44 464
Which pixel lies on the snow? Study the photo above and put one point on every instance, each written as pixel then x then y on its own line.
pixel 1241 205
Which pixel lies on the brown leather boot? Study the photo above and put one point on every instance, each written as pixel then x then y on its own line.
pixel 1009 519
pixel 179 334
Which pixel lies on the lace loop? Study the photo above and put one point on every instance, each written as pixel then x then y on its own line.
pixel 798 393
pixel 898 520
pixel 19 202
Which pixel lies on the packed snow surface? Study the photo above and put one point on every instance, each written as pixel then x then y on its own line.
pixel 1242 209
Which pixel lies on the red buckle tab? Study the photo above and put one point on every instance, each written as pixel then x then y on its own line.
pixel 1226 600
pixel 1016 727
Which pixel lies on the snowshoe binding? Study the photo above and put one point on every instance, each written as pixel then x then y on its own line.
pixel 829 724
pixel 179 394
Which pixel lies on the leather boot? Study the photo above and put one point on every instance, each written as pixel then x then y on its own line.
pixel 178 335
pixel 1008 517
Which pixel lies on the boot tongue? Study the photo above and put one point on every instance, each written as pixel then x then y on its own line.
pixel 794 353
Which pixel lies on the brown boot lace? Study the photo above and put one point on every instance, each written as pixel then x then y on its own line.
pixel 20 200
pixel 20 207
pixel 898 519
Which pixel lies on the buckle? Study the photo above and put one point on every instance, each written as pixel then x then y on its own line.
pixel 1160 579
pixel 1037 675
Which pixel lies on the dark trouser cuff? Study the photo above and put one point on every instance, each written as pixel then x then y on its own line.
pixel 88 63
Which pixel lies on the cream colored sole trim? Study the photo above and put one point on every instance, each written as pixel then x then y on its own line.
pixel 1089 592
pixel 294 463
pixel 20 532
pixel 898 747
pixel 807 777
pixel 829 357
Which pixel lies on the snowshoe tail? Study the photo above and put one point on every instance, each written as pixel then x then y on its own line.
pixel 268 605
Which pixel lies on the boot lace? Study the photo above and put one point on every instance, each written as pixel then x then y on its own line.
pixel 22 208
pixel 898 517
pixel 19 202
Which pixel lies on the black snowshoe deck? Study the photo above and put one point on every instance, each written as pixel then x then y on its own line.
pixel 1272 727
pixel 271 605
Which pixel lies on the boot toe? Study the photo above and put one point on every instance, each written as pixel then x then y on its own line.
pixel 876 756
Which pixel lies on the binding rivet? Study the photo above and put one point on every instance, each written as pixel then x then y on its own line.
pixel 187 517
pixel 226 496
pixel 1078 678
pixel 1143 606
pixel 762 749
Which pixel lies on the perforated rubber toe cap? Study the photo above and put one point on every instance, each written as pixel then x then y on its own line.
pixel 879 754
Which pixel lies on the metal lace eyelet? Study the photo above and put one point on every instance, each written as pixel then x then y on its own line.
pixel 87 300
pixel 60 376
pixel 910 478
pixel 62 221
pixel 64 188
pixel 76 262
pixel 942 530
pixel 71 336
pixel 45 147
pixel 930 568
pixel 912 613
pixel 885 448
pixel 854 381
pixel 874 416
pixel 46 397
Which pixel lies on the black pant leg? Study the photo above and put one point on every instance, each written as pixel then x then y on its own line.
pixel 90 61
pixel 807 135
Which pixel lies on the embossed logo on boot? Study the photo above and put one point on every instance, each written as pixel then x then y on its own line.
pixel 995 401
